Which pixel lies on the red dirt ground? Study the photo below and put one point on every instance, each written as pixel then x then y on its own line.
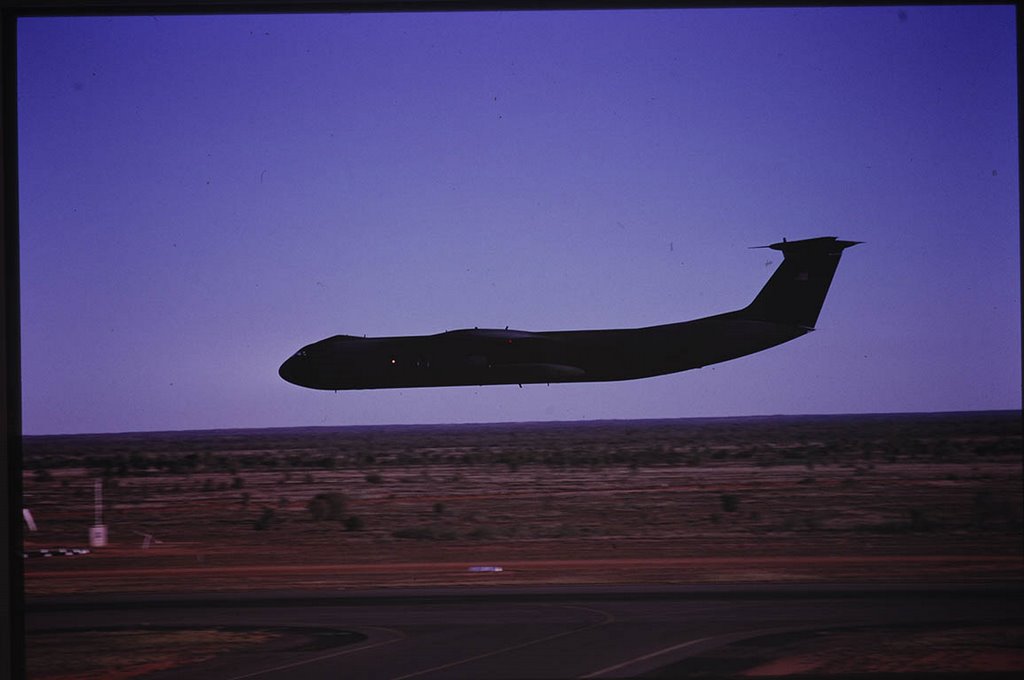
pixel 853 499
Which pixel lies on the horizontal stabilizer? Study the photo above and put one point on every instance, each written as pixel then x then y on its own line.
pixel 822 244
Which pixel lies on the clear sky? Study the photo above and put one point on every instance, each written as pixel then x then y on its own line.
pixel 201 196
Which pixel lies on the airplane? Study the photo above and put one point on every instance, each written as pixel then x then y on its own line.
pixel 786 308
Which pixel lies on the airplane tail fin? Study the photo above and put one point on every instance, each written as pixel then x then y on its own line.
pixel 796 291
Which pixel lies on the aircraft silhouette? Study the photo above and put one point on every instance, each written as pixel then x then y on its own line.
pixel 786 308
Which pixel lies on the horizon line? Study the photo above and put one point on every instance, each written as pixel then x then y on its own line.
pixel 1017 410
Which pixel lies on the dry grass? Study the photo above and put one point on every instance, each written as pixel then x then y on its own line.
pixel 948 650
pixel 119 655
pixel 829 499
pixel 901 497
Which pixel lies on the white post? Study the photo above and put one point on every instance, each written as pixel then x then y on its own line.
pixel 98 532
pixel 27 514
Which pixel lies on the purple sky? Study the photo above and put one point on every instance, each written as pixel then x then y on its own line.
pixel 201 196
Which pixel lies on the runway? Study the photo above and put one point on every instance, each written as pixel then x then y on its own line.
pixel 551 632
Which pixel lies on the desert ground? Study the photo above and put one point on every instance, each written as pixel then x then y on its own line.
pixel 896 498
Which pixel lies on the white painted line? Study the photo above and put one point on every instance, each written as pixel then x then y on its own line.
pixel 343 652
pixel 608 618
pixel 728 639
pixel 645 657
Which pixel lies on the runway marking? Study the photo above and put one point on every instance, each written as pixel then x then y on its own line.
pixel 608 618
pixel 728 638
pixel 348 650
pixel 645 657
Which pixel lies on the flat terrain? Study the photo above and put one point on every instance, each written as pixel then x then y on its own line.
pixel 797 502
pixel 867 498
pixel 968 631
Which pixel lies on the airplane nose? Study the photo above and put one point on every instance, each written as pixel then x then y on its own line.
pixel 291 370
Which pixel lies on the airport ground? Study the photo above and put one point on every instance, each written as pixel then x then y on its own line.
pixel 881 501
pixel 838 631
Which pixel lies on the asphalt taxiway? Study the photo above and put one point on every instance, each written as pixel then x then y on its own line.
pixel 552 632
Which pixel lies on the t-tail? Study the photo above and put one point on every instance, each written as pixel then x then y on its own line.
pixel 796 291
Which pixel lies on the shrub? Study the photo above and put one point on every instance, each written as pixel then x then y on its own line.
pixel 919 521
pixel 567 531
pixel 329 506
pixel 354 523
pixel 263 523
pixel 419 533
pixel 483 533
pixel 426 533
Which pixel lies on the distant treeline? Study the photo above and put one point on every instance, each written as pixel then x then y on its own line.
pixel 769 440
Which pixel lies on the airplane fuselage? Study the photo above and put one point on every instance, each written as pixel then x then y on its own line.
pixel 786 308
pixel 495 356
